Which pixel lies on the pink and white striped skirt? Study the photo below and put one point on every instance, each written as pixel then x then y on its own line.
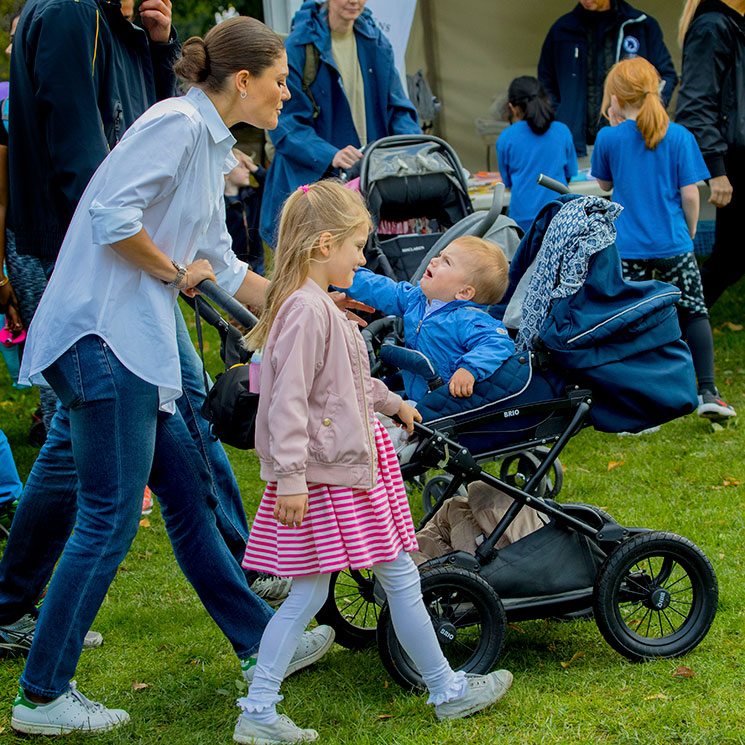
pixel 343 527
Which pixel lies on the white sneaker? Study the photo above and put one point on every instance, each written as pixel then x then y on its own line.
pixel 67 713
pixel 313 645
pixel 93 640
pixel 282 732
pixel 711 406
pixel 483 691
pixel 273 590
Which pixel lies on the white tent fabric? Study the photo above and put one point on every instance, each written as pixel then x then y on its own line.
pixel 470 50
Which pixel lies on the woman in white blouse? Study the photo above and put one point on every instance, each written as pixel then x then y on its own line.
pixel 150 224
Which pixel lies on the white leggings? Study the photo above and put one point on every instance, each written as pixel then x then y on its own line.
pixel 411 621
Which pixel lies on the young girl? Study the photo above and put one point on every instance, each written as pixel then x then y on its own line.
pixel 334 497
pixel 653 165
pixel 533 144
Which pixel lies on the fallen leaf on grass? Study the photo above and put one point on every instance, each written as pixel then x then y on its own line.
pixel 385 716
pixel 144 523
pixel 683 672
pixel 615 463
pixel 721 556
pixel 139 686
pixel 515 627
pixel 731 482
pixel 579 468
pixel 146 555
pixel 733 326
pixel 661 696
pixel 385 684
pixel 575 656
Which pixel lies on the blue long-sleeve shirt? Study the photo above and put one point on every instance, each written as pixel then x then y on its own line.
pixel 457 334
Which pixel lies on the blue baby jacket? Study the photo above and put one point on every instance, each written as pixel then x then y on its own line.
pixel 458 334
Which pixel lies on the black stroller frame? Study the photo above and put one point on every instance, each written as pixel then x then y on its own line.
pixel 653 593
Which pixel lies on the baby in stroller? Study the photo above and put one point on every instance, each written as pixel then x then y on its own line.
pixel 446 318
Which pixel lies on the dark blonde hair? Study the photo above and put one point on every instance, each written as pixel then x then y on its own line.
pixel 689 10
pixel 636 83
pixel 310 211
pixel 489 270
pixel 236 44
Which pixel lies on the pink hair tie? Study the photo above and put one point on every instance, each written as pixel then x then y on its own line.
pixel 304 188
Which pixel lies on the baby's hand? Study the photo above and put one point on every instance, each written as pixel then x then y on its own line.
pixel 461 384
pixel 408 415
pixel 290 509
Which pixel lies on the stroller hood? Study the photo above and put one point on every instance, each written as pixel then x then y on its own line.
pixel 622 340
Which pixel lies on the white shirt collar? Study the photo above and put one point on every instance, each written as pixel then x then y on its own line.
pixel 216 126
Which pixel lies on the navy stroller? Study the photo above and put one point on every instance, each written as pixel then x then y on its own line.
pixel 653 593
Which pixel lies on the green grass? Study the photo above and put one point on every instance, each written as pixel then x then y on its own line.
pixel 157 633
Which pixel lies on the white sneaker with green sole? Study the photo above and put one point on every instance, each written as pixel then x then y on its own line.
pixel 70 712
pixel 313 645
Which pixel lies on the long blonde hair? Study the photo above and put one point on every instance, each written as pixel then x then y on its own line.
pixel 323 207
pixel 689 10
pixel 636 83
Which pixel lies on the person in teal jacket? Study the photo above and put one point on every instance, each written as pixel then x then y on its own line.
pixel 323 127
pixel 446 317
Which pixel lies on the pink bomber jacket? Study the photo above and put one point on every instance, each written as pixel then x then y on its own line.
pixel 315 421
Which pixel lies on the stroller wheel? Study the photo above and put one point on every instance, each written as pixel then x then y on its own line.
pixel 350 608
pixel 554 479
pixel 518 468
pixel 655 596
pixel 468 618
pixel 435 488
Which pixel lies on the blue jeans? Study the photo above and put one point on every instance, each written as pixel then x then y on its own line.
pixel 101 400
pixel 46 515
pixel 10 484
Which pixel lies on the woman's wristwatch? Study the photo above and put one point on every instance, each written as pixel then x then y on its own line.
pixel 181 273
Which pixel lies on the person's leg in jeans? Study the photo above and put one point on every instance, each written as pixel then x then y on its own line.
pixel 726 264
pixel 47 511
pixel 183 486
pixel 231 516
pixel 103 399
pixel 42 524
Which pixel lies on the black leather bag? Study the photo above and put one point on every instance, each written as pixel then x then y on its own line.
pixel 229 406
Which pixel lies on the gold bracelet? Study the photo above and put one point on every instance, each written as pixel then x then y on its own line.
pixel 4 281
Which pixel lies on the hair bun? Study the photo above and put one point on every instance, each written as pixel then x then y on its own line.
pixel 194 64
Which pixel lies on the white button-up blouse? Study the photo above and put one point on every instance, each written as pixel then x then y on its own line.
pixel 166 175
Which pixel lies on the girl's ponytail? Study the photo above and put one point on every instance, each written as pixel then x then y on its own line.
pixel 527 94
pixel 636 84
pixel 652 119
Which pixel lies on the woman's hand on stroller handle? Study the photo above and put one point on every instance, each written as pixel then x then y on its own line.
pixel 346 157
pixel 290 509
pixel 346 304
pixel 197 271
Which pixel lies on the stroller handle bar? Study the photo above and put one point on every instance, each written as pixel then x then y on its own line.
pixel 227 302
pixel 552 183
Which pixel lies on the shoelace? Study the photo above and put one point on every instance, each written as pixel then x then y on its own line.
pixel 84 700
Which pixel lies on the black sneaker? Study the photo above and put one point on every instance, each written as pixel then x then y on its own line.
pixel 712 407
pixel 16 638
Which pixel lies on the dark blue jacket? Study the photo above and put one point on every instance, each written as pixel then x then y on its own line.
pixel 711 100
pixel 562 67
pixel 80 74
pixel 305 146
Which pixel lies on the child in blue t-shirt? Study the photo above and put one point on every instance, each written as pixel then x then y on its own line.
pixel 653 165
pixel 533 144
